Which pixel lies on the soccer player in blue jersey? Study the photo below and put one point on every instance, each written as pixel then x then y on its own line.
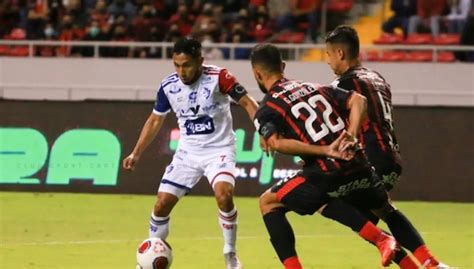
pixel 200 96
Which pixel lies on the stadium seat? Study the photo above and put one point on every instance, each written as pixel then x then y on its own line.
pixel 340 6
pixel 419 56
pixel 419 39
pixel 392 56
pixel 291 37
pixel 371 55
pixel 4 50
pixel 387 39
pixel 19 51
pixel 446 57
pixel 447 39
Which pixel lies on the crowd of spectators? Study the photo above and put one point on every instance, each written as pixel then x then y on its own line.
pixel 428 16
pixel 234 21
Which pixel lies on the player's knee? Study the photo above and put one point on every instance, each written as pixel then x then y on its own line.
pixel 164 204
pixel 224 196
pixel 266 203
pixel 386 209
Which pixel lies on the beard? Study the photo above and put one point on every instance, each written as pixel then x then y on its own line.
pixel 261 87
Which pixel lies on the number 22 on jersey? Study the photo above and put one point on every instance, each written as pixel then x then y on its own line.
pixel 326 124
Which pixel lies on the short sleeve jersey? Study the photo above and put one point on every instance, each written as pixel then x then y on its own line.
pixel 307 112
pixel 378 135
pixel 202 109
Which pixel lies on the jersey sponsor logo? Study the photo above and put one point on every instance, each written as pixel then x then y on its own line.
pixel 195 110
pixel 201 125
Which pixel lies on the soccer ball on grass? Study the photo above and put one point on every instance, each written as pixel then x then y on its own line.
pixel 154 253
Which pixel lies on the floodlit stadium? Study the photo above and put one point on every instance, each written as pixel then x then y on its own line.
pixel 84 85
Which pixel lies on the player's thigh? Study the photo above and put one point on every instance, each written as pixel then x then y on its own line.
pixel 298 194
pixel 180 177
pixel 219 167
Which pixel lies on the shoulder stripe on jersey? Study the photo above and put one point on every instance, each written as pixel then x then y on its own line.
pixel 174 75
pixel 288 120
pixel 168 83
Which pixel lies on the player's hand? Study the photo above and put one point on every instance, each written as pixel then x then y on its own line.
pixel 342 147
pixel 266 148
pixel 349 142
pixel 130 162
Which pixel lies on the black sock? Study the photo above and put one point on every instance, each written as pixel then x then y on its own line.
pixel 345 214
pixel 404 231
pixel 281 234
pixel 399 255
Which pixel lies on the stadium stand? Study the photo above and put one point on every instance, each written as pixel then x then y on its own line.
pixel 227 22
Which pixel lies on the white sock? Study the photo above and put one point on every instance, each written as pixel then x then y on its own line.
pixel 159 226
pixel 228 223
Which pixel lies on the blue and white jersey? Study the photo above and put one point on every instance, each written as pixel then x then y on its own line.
pixel 202 109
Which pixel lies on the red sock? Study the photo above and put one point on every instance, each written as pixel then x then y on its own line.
pixel 370 232
pixel 408 263
pixel 292 263
pixel 423 254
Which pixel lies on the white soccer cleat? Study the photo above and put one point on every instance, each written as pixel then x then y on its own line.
pixel 232 261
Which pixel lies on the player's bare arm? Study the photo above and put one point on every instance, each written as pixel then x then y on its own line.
pixel 150 129
pixel 249 104
pixel 295 147
pixel 357 105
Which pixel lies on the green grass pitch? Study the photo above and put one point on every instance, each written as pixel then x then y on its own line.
pixel 89 231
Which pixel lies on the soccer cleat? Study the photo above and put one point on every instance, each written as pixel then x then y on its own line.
pixel 232 261
pixel 387 246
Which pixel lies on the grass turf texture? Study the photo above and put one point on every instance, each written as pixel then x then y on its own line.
pixel 46 230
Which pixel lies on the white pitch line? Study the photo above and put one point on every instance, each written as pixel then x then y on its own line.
pixel 118 241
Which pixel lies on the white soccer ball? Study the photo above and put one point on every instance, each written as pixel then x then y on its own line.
pixel 154 253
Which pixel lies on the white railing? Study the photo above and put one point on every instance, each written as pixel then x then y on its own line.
pixel 148 93
pixel 295 50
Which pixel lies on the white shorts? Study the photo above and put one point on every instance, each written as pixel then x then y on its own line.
pixel 187 168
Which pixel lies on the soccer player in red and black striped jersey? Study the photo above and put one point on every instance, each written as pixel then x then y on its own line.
pixel 378 136
pixel 294 115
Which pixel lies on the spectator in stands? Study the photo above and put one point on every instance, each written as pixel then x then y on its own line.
pixel 122 7
pixel 458 11
pixel 302 15
pixel 99 13
pixel 10 16
pixel 37 18
pixel 94 33
pixel 209 52
pixel 403 10
pixel 120 34
pixel 69 31
pixel 79 16
pixel 467 39
pixel 183 19
pixel 205 23
pixel 427 17
pixel 262 28
pixel 50 33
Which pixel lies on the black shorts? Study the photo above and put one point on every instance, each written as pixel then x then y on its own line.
pixel 299 194
pixel 304 194
pixel 389 173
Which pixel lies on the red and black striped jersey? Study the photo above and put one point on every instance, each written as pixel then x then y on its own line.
pixel 378 135
pixel 306 112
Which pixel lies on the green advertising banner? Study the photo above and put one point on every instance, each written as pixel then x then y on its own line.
pixel 79 147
